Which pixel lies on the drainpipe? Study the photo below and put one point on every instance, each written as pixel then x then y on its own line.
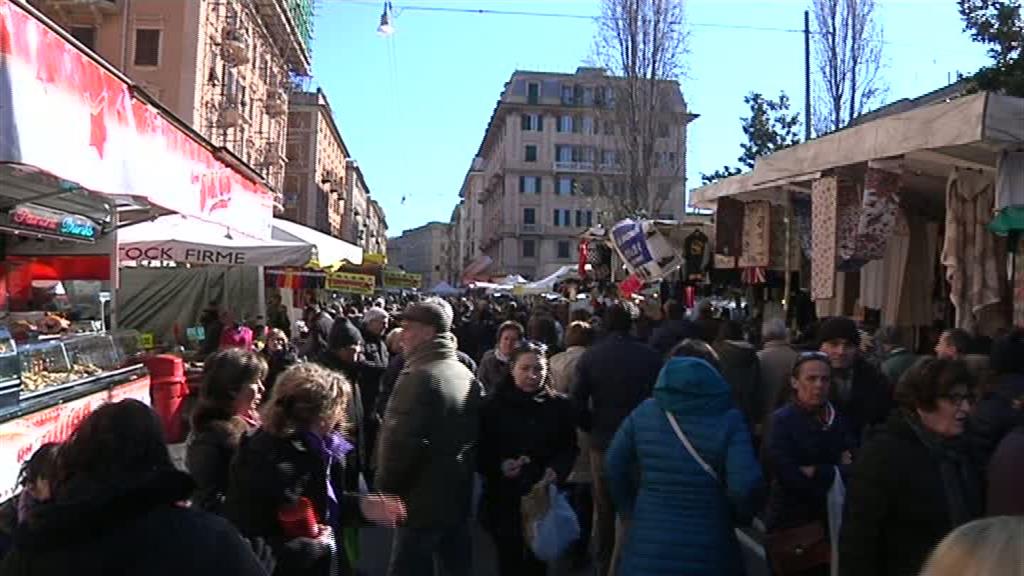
pixel 124 35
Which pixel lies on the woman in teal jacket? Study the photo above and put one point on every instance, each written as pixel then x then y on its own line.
pixel 680 517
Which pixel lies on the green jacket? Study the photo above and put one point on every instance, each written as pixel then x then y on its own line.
pixel 899 361
pixel 427 446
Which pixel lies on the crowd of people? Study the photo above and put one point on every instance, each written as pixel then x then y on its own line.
pixel 665 431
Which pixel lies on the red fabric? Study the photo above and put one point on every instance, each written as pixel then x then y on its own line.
pixel 61 267
pixel 583 259
pixel 630 286
pixel 237 337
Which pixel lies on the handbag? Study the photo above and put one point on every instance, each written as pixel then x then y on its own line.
pixel 798 549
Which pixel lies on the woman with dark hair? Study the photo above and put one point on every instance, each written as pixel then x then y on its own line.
pixel 279 355
pixel 36 482
pixel 231 392
pixel 696 348
pixel 527 436
pixel 493 368
pixel 806 443
pixel 294 465
pixel 915 482
pixel 118 508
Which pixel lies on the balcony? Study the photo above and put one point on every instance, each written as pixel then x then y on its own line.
pixel 573 166
pixel 93 7
pixel 276 103
pixel 235 46
pixel 290 24
pixel 530 229
pixel 611 169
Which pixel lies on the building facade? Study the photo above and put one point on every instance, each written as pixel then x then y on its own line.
pixel 551 165
pixel 315 175
pixel 424 251
pixel 376 240
pixel 222 66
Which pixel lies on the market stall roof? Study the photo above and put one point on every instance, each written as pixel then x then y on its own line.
pixel 177 238
pixel 330 251
pixel 445 289
pixel 547 284
pixel 966 131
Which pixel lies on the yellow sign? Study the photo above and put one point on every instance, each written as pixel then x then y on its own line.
pixel 375 258
pixel 147 340
pixel 352 283
pixel 401 280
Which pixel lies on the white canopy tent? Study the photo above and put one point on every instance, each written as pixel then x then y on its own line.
pixel 445 289
pixel 177 238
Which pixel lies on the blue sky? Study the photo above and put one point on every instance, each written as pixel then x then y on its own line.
pixel 413 108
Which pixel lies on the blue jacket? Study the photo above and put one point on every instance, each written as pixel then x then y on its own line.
pixel 682 519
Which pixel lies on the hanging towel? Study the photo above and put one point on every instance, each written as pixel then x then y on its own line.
pixel 756 235
pixel 823 228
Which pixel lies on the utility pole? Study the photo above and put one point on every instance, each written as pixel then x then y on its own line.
pixel 807 75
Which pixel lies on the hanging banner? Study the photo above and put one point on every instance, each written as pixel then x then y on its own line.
pixel 362 284
pixel 401 280
pixel 67 115
pixel 374 259
pixel 645 251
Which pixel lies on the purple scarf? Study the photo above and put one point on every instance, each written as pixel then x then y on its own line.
pixel 331 447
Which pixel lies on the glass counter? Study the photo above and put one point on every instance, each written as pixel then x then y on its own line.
pixel 44 364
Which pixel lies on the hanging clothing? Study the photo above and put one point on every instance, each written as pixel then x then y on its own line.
pixel 823 227
pixel 848 211
pixel 1009 179
pixel 696 254
pixel 882 281
pixel 756 234
pixel 969 251
pixel 729 227
pixel 878 212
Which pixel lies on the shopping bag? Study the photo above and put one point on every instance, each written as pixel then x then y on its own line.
pixel 550 534
pixel 836 498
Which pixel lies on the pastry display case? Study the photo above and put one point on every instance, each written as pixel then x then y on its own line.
pixel 10 369
pixel 44 365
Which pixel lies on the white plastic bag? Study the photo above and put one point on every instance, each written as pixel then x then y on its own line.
pixel 554 532
pixel 836 497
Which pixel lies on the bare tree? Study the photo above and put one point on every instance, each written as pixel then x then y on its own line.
pixel 848 54
pixel 640 43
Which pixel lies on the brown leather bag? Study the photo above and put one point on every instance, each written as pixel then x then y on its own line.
pixel 798 549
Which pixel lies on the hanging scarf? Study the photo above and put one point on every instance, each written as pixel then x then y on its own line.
pixel 959 485
pixel 331 447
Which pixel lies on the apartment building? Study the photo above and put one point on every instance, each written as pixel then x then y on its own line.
pixel 364 222
pixel 315 174
pixel 222 66
pixel 551 162
pixel 424 251
pixel 465 224
pixel 376 240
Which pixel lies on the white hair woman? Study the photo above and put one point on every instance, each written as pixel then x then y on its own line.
pixel 980 548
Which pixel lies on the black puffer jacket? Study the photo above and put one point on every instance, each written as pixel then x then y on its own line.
pixel 270 473
pixel 139 528
pixel 211 446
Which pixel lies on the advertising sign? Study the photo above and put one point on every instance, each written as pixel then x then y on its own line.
pixel 401 280
pixel 40 219
pixel 67 115
pixel 21 437
pixel 362 284
pixel 645 251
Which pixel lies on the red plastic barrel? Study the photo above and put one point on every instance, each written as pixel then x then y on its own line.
pixel 168 391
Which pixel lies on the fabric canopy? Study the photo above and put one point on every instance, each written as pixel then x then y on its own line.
pixel 330 251
pixel 445 289
pixel 177 238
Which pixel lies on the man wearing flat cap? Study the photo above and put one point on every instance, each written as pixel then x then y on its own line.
pixel 426 449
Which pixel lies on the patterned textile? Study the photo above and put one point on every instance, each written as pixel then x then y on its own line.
pixel 878 213
pixel 802 213
pixel 729 227
pixel 823 226
pixel 848 209
pixel 969 251
pixel 756 234
pixel 724 262
pixel 753 275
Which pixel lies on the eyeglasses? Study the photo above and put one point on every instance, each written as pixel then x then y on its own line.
pixel 957 399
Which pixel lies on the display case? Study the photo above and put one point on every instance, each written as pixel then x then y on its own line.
pixel 44 364
pixel 128 346
pixel 10 370
pixel 91 354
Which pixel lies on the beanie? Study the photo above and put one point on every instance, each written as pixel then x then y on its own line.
pixel 343 334
pixel 432 312
pixel 838 327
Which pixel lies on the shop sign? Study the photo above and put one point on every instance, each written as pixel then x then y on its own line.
pixel 401 280
pixel 375 259
pixel 52 222
pixel 67 115
pixel 352 283
pixel 21 437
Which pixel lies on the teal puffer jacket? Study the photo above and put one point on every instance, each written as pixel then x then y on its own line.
pixel 682 519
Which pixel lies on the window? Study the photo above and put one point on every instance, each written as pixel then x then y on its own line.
pixel 529 216
pixel 587 188
pixel 590 218
pixel 531 153
pixel 531 122
pixel 526 122
pixel 663 130
pixel 609 128
pixel 529 248
pixel 562 217
pixel 529 184
pixel 565 124
pixel 147 47
pixel 567 94
pixel 564 153
pixel 533 93
pixel 588 96
pixel 86 35
pixel 588 125
pixel 563 249
pixel 564 186
pixel 664 191
pixel 579 218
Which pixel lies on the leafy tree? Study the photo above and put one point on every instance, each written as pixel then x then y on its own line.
pixel 770 127
pixel 997 23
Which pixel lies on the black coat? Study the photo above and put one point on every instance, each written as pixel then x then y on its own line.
pixel 870 401
pixel 270 473
pixel 797 438
pixel 896 508
pixel 513 423
pixel 994 416
pixel 615 375
pixel 741 368
pixel 137 529
pixel 672 332
pixel 211 447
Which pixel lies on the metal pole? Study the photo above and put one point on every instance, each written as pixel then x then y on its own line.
pixel 788 222
pixel 807 75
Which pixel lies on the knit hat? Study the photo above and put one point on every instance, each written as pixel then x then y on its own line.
pixel 431 312
pixel 838 327
pixel 374 313
pixel 343 334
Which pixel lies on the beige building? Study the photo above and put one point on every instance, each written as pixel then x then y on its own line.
pixel 315 175
pixel 376 235
pixel 550 159
pixel 424 251
pixel 364 224
pixel 222 66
